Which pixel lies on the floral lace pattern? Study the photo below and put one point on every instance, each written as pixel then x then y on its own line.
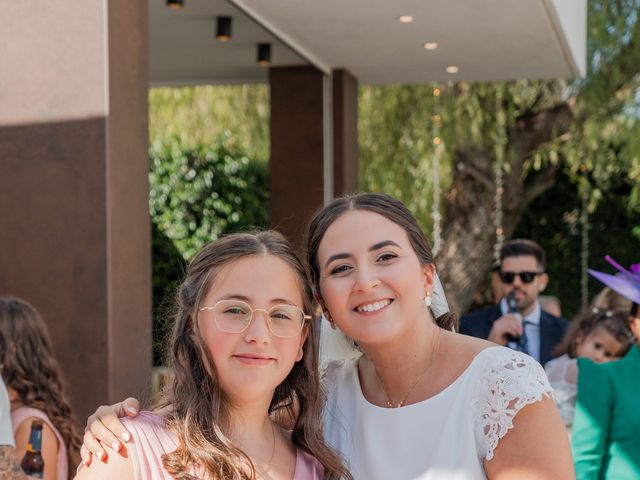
pixel 508 381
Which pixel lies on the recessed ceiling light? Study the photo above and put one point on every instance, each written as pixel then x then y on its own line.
pixel 175 4
pixel 405 19
pixel 430 46
pixel 452 69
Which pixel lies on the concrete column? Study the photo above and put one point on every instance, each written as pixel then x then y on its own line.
pixel 345 133
pixel 297 148
pixel 313 121
pixel 74 218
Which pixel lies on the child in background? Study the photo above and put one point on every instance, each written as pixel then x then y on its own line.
pixel 600 335
pixel 35 385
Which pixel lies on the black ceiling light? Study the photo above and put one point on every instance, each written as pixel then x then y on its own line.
pixel 175 4
pixel 264 54
pixel 223 28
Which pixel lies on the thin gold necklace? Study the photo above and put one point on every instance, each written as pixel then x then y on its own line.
pixel 435 347
pixel 265 468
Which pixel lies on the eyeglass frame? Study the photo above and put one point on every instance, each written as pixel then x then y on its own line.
pixel 518 274
pixel 305 318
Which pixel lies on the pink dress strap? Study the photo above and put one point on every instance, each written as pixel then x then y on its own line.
pixel 307 467
pixel 21 414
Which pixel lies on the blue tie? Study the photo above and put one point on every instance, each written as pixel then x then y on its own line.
pixel 523 344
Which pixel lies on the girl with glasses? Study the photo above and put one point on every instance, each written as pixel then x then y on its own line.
pixel 243 355
pixel 413 400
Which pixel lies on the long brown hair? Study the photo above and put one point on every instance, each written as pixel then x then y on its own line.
pixel 29 368
pixel 197 406
pixel 384 205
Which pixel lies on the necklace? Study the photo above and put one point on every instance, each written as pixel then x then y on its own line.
pixel 265 468
pixel 435 346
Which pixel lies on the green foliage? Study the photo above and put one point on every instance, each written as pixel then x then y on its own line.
pixel 396 127
pixel 167 269
pixel 554 221
pixel 199 193
pixel 201 115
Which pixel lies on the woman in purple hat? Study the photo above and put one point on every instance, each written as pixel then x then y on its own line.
pixel 606 428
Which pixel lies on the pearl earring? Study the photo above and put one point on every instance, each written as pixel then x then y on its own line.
pixel 427 299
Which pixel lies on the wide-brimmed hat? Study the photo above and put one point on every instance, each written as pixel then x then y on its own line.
pixel 625 283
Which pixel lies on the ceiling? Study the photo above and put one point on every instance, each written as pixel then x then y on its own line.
pixel 485 39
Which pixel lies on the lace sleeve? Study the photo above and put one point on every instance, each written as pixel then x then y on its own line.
pixel 509 380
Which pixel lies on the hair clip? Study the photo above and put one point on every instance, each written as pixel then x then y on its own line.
pixel 604 313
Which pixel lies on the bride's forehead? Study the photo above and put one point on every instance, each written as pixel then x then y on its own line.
pixel 355 220
pixel 361 228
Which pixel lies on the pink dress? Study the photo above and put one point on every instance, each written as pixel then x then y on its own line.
pixel 152 439
pixel 21 414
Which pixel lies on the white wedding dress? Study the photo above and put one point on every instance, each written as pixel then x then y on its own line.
pixel 445 437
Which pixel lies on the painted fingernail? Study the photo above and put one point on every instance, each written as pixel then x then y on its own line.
pixel 125 436
pixel 101 454
pixel 132 410
pixel 116 446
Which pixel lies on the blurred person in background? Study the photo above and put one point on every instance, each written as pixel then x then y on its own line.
pixel 35 386
pixel 521 323
pixel 599 335
pixel 606 427
pixel 551 304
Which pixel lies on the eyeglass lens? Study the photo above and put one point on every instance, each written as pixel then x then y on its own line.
pixel 234 316
pixel 525 277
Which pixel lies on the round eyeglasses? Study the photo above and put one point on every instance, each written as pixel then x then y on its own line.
pixel 234 316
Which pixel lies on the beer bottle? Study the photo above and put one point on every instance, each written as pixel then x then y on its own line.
pixel 32 463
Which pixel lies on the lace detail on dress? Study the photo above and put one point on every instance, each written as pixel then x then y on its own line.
pixel 508 381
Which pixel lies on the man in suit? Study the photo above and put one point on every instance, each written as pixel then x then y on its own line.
pixel 520 323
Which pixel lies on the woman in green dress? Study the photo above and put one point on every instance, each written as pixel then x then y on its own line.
pixel 606 428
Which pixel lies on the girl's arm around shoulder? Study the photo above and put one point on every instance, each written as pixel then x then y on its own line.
pixel 117 465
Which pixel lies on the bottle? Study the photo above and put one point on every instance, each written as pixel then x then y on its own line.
pixel 32 463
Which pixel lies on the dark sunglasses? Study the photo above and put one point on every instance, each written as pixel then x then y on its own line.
pixel 525 277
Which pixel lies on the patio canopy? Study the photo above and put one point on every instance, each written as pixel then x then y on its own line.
pixel 484 39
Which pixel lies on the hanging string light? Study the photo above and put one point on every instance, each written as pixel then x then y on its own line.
pixel 501 122
pixel 584 232
pixel 435 164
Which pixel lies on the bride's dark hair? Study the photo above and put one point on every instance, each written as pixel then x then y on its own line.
pixel 384 205
pixel 198 411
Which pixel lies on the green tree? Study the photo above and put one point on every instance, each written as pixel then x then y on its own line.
pixel 202 115
pixel 199 193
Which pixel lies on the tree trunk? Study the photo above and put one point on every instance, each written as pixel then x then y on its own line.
pixel 469 235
